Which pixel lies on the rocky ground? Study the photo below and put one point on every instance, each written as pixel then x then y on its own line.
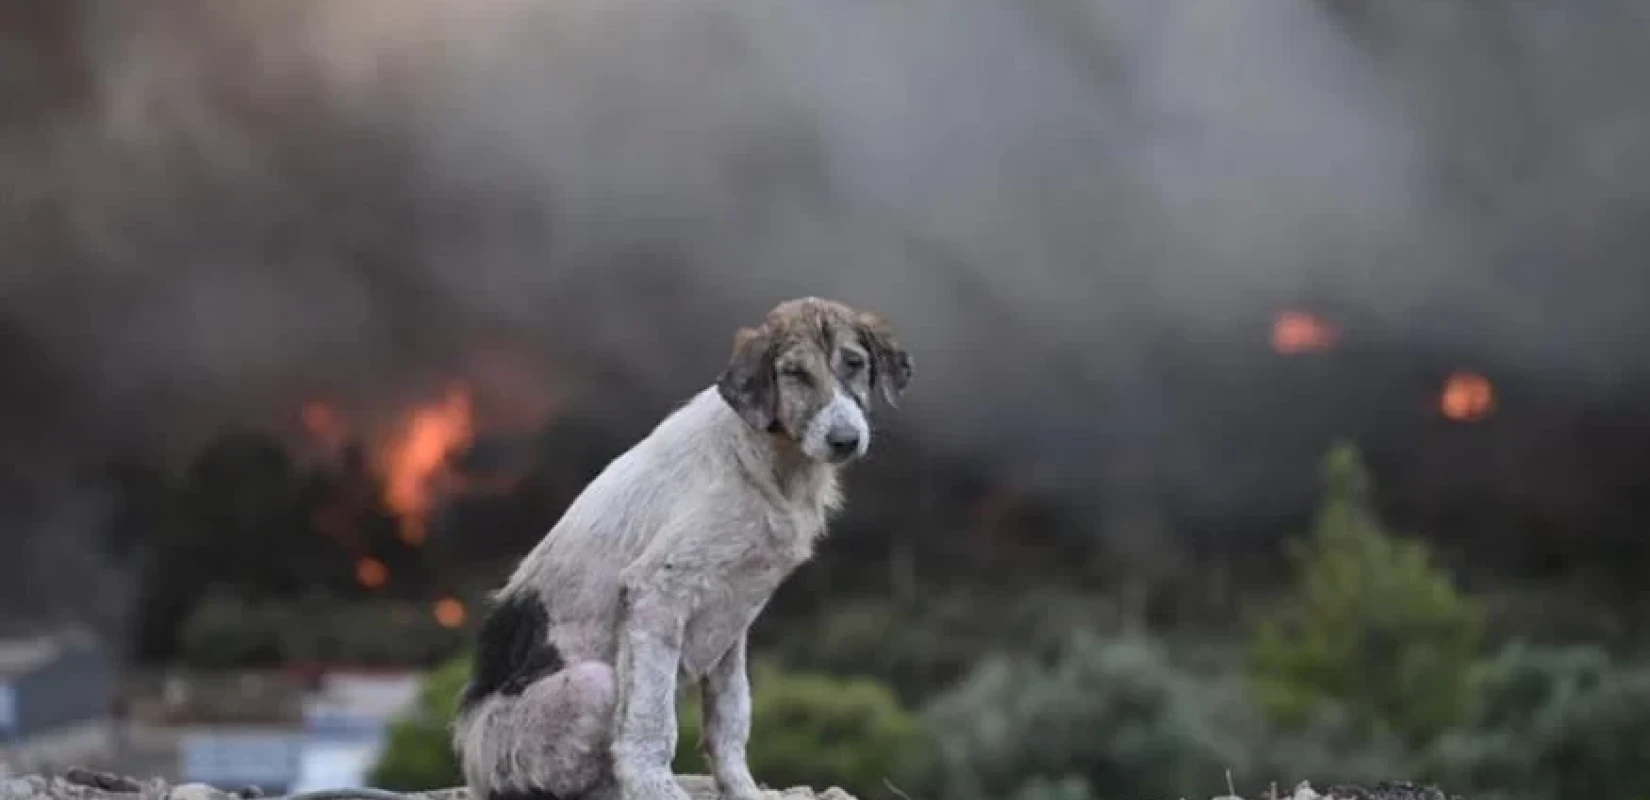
pixel 78 784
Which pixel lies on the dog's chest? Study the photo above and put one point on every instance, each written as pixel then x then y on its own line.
pixel 728 605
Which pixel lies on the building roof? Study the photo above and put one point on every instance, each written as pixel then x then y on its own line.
pixel 19 656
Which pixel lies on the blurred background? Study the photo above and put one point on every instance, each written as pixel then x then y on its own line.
pixel 1280 408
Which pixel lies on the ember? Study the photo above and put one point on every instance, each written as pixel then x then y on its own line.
pixel 371 573
pixel 1467 397
pixel 449 613
pixel 1295 332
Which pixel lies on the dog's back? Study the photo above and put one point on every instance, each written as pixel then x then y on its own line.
pixel 575 568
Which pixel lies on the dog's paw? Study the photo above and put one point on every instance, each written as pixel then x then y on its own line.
pixel 738 787
pixel 651 786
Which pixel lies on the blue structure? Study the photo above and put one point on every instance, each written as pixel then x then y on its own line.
pixel 56 697
pixel 268 759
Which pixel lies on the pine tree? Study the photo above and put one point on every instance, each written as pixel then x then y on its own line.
pixel 1373 626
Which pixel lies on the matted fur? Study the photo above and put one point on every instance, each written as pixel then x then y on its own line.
pixel 659 567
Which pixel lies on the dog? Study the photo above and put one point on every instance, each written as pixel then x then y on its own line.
pixel 658 568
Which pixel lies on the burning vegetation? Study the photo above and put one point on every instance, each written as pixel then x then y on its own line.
pixel 1296 332
pixel 407 468
pixel 415 460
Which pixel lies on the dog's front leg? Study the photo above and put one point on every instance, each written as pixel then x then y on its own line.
pixel 726 695
pixel 649 651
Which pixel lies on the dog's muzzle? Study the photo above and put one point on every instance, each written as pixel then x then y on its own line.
pixel 838 433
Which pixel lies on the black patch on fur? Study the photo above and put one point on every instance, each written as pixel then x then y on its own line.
pixel 513 650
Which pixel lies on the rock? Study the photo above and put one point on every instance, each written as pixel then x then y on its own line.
pixel 196 791
pixel 701 787
pixel 108 782
pixel 79 784
pixel 27 787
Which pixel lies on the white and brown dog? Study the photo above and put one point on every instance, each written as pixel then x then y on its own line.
pixel 660 566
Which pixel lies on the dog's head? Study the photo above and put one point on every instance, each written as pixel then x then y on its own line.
pixel 809 373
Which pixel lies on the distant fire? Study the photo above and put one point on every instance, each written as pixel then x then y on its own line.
pixel 1295 332
pixel 401 460
pixel 324 424
pixel 371 573
pixel 1467 397
pixel 415 458
pixel 449 613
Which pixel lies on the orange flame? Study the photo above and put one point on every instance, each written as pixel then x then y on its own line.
pixel 1295 332
pixel 1467 397
pixel 371 573
pixel 416 456
pixel 449 613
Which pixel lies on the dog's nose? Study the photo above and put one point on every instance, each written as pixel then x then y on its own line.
pixel 844 442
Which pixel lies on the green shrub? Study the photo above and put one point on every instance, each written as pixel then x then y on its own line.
pixel 1118 716
pixel 1373 625
pixel 806 729
pixel 1070 787
pixel 1552 723
pixel 1115 713
pixel 418 752
pixel 227 630
pixel 812 729
pixel 920 649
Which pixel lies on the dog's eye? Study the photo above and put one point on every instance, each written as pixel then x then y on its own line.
pixel 852 360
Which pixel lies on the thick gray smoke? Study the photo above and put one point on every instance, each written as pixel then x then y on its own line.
pixel 222 208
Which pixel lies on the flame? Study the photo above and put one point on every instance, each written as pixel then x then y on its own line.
pixel 1467 397
pixel 415 457
pixel 449 613
pixel 1295 332
pixel 371 573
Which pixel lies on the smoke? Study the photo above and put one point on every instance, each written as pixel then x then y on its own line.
pixel 222 209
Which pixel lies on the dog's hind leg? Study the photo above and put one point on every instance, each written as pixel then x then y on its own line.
pixel 549 742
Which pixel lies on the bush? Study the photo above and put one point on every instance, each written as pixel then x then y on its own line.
pixel 806 729
pixel 1552 723
pixel 1113 713
pixel 1373 625
pixel 418 753
pixel 227 630
pixel 920 649
pixel 1117 717
pixel 812 729
pixel 1070 787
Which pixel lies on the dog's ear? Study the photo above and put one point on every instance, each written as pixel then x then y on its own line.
pixel 890 364
pixel 748 382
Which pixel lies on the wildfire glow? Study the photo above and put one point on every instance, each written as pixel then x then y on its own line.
pixel 1296 332
pixel 1467 397
pixel 324 423
pixel 449 613
pixel 371 573
pixel 415 456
